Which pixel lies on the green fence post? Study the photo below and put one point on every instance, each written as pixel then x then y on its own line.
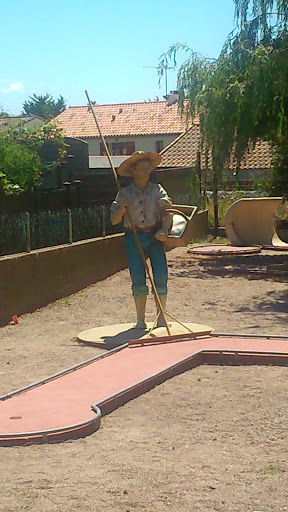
pixel 70 235
pixel 103 221
pixel 28 232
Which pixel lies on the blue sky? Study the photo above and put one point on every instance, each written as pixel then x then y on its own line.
pixel 64 47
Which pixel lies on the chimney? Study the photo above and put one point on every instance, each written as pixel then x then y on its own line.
pixel 172 98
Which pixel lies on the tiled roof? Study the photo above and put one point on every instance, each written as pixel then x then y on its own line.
pixel 182 152
pixel 123 119
pixel 257 157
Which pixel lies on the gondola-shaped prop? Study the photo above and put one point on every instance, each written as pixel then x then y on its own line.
pixel 250 221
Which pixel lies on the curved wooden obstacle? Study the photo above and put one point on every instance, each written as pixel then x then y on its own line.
pixel 250 221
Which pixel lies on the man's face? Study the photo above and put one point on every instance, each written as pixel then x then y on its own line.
pixel 141 171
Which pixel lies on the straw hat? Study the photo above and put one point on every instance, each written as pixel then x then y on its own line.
pixel 125 169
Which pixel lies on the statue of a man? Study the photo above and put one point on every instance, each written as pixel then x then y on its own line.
pixel 146 203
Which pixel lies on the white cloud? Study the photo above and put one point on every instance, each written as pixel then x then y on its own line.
pixel 17 86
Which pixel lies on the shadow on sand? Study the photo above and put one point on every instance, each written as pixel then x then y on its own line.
pixel 123 337
pixel 260 266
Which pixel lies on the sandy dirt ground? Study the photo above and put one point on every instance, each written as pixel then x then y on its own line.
pixel 211 439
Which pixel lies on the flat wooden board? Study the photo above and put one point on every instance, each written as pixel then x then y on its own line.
pixel 219 250
pixel 110 336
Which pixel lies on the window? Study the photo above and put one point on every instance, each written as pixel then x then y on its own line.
pixel 102 149
pixel 123 148
pixel 158 146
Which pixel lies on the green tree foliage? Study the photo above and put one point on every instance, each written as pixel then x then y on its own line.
pixel 264 13
pixel 267 23
pixel 3 112
pixel 21 167
pixel 243 95
pixel 44 106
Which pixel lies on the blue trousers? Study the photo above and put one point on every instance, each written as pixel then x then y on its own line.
pixel 154 249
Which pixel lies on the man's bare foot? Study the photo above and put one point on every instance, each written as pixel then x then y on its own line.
pixel 140 325
pixel 161 322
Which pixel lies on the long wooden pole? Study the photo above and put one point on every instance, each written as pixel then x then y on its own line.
pixel 157 299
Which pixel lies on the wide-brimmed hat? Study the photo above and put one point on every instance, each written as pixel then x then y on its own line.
pixel 125 169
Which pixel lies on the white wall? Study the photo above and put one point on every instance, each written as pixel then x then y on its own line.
pixel 142 143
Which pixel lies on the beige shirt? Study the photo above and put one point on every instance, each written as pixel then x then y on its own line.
pixel 145 206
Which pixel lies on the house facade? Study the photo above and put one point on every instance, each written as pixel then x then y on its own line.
pixel 127 127
pixel 29 122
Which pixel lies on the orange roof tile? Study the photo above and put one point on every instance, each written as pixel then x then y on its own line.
pixel 182 152
pixel 123 119
pixel 257 157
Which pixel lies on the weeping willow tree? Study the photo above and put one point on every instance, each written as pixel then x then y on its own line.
pixel 241 96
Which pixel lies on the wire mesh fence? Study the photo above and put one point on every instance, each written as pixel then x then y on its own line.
pixel 12 233
pixel 22 232
pixel 189 199
pixel 93 222
pixel 48 229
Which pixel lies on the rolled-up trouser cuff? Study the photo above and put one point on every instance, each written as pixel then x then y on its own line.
pixel 139 290
pixel 161 291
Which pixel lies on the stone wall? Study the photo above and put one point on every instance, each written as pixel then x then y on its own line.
pixel 32 280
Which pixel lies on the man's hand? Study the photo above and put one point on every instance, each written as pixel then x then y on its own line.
pixel 163 232
pixel 118 212
pixel 123 204
pixel 161 235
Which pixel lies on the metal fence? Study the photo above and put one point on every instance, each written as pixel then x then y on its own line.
pixel 23 232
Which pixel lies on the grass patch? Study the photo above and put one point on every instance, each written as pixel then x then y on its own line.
pixel 210 240
pixel 226 199
pixel 272 469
